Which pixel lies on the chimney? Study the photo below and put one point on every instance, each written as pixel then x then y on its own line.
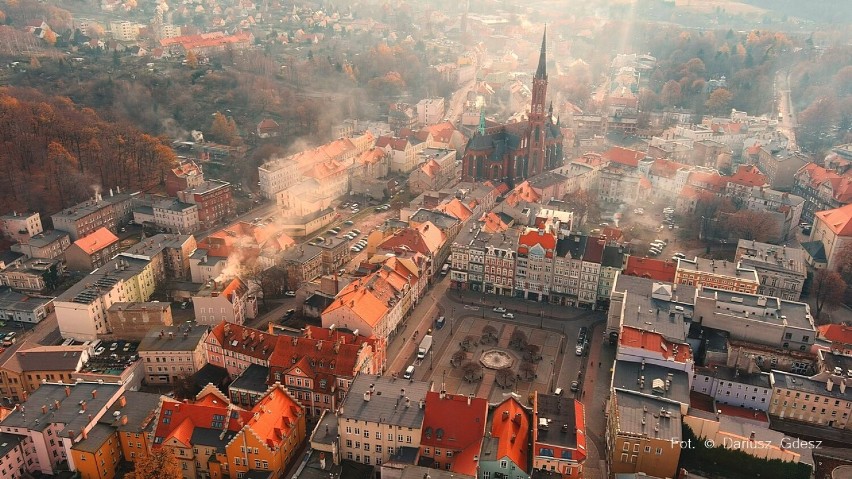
pixel 56 404
pixel 83 405
pixel 469 397
pixel 407 402
pixel 505 415
pixel 124 420
pixel 84 433
pixel 44 409
pixel 67 391
pixel 829 384
pixel 94 393
pixel 122 401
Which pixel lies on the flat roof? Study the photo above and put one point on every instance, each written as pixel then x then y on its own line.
pixel 657 306
pixel 69 411
pixel 47 237
pixel 797 382
pixel 13 301
pixel 634 409
pixel 659 381
pixel 326 430
pixel 173 338
pixel 253 378
pixel 559 410
pixel 140 410
pixel 759 379
pixel 101 280
pixel 718 267
pixel 140 306
pixel 387 403
pixel 88 207
pixel 772 257
pixel 775 311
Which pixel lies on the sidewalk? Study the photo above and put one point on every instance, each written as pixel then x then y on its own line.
pixel 595 392
pixel 518 305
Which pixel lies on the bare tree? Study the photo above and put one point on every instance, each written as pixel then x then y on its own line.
pixel 828 290
pixel 271 281
pixel 527 371
pixel 518 340
pixel 489 334
pixel 472 371
pixel 531 353
pixel 458 357
pixel 505 377
pixel 468 343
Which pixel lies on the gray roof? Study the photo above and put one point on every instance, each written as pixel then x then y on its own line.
pixel 153 245
pixel 69 409
pixel 140 409
pixel 627 376
pixel 9 442
pixel 173 204
pixel 419 472
pixel 776 311
pixel 759 379
pixel 814 385
pixel 718 267
pixel 9 257
pixel 644 311
pixel 203 436
pixel 174 338
pixel 90 206
pixel 140 306
pixel 45 238
pixel 560 410
pixel 319 301
pixel 547 179
pixel 208 186
pixel 93 285
pixel 252 379
pixel 301 253
pixel 326 430
pixel 815 250
pixel 613 257
pixel 442 220
pixel 832 360
pixel 95 438
pixel 633 409
pixel 765 256
pixel 13 301
pixel 49 360
pixel 573 244
pixel 387 401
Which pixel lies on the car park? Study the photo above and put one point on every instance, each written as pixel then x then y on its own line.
pixel 113 346
pixel 508 316
pixel 499 310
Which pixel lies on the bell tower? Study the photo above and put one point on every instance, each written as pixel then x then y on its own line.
pixel 538 113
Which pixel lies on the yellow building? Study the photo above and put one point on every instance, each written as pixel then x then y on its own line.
pixel 821 400
pixel 719 274
pixel 643 434
pixel 98 454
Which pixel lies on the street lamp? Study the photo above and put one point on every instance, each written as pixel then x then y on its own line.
pixel 431 359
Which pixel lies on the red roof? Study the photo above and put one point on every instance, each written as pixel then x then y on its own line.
pixel 535 237
pixel 650 268
pixel 624 156
pixel 748 175
pixel 178 420
pixel 836 333
pixel 838 220
pixel 510 424
pixel 455 422
pixel 665 168
pixel 655 342
pixel 594 249
pixel 816 176
pixel 96 241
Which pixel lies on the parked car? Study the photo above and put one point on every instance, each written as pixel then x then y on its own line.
pixel 575 386
pixel 579 349
pixel 348 223
pixel 100 351
pixel 499 310
pixel 508 316
pixel 289 313
pixel 290 294
pixel 356 231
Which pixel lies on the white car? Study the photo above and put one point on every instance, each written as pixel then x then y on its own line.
pixel 290 294
pixel 508 316
pixel 499 310
pixel 100 351
pixel 579 350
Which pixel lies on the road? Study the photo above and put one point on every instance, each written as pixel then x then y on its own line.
pixel 784 105
pixel 456 108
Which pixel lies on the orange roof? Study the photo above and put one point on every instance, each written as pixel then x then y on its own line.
pixel 624 156
pixel 650 268
pixel 591 159
pixel 748 175
pixel 510 424
pixel 430 168
pixel 186 168
pixel 456 209
pixel 523 192
pixel 275 416
pixel 656 343
pixel 243 340
pixel 369 297
pixel 665 168
pixel 371 156
pixel 836 333
pixel 178 420
pixel 838 220
pixel 203 40
pixel 492 223
pixel 441 132
pixel 96 241
pixel 455 422
pixel 534 237
pixel 706 180
pixel 816 176
pixel 398 144
pixel 236 286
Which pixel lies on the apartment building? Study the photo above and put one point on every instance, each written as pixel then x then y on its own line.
pixel 82 219
pixel 824 399
pixel 24 308
pixel 303 264
pixel 133 418
pixel 176 216
pixel 335 253
pixel 170 254
pixel 454 428
pixel 757 319
pixel 652 348
pixel 12 453
pixel 780 164
pixel 430 111
pixel 172 353
pixel 124 31
pixel 824 187
pixel 52 422
pixel 81 309
pixel 214 200
pixel 558 435
pixel 785 208
pixel 721 274
pixel 277 175
pixel 228 300
pixel 188 174
pixel 379 417
pixel 534 264
pixel 832 231
pixel 132 321
pixel 643 434
pixel 780 270
pixel 234 347
pixel 23 372
pixel 50 244
pixel 734 387
pixel 33 275
pixel 210 437
pixel 20 227
pixel 92 251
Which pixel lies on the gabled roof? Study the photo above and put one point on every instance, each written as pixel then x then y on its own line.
pixel 533 237
pixel 456 209
pixel 816 176
pixel 838 220
pixel 275 417
pixel 748 175
pixel 665 168
pixel 594 249
pixel 510 425
pixel 430 168
pixel 243 340
pixel 96 241
pixel 523 192
pixel 836 333
pixel 656 343
pixel 623 156
pixel 650 268
pixel 493 223
pixel 455 422
pixel 177 421
pixel 441 132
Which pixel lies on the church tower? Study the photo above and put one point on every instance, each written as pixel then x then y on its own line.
pixel 538 114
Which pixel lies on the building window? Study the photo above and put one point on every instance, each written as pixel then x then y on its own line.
pixel 504 464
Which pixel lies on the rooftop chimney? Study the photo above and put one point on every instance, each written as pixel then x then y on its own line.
pixel 122 401
pixel 67 391
pixel 94 393
pixel 124 420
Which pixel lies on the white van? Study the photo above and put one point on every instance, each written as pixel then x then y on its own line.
pixel 409 372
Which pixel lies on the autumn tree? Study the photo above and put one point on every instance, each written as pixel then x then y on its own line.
pixel 671 94
pixel 753 225
pixel 527 371
pixel 192 59
pixel 49 37
pixel 585 206
pixel 489 334
pixel 505 377
pixel 159 464
pixel 34 63
pixel 843 261
pixel 224 129
pixel 719 101
pixel 518 340
pixel 827 290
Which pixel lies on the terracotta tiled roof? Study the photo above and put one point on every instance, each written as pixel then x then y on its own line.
pixel 397 144
pixel 456 209
pixel 655 342
pixel 455 422
pixel 533 237
pixel 96 241
pixel 510 423
pixel 275 417
pixel 838 220
pixel 186 168
pixel 523 192
pixel 665 168
pixel 623 156
pixel 836 333
pixel 244 340
pixel 430 168
pixel 650 268
pixel 267 124
pixel 371 156
pixel 748 175
pixel 491 223
pixel 441 132
pixel 178 420
pixel 816 176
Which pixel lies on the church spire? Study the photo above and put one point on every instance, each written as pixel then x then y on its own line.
pixel 481 121
pixel 541 71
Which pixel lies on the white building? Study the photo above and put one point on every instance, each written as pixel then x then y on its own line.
pixel 430 111
pixel 732 387
pixel 176 216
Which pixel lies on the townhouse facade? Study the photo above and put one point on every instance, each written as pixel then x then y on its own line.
pixel 172 353
pixel 82 219
pixel 214 201
pixel 49 244
pixel 228 300
pixel 780 270
pixel 92 251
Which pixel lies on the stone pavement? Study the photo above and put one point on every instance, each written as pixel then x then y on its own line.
pixel 594 396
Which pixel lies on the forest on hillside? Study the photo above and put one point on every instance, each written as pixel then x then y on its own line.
pixel 54 153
